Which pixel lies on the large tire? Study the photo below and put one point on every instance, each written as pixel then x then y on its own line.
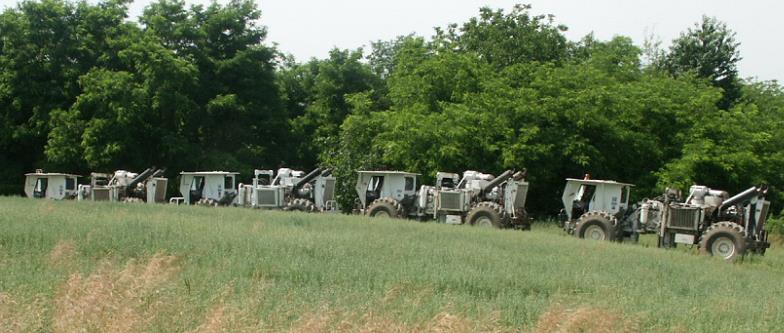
pixel 486 214
pixel 597 225
pixel 385 207
pixel 300 205
pixel 724 240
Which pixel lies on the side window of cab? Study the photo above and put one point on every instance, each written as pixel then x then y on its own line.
pixel 409 183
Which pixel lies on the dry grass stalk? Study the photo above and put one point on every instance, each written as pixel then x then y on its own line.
pixel 22 316
pixel 112 300
pixel 583 319
pixel 63 253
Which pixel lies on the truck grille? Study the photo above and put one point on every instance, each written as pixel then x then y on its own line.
pixel 101 194
pixel 329 190
pixel 522 193
pixel 684 217
pixel 450 201
pixel 160 190
pixel 266 197
pixel 763 214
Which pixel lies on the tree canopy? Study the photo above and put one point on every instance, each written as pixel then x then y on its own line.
pixel 710 51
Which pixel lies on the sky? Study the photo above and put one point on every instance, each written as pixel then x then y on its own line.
pixel 309 29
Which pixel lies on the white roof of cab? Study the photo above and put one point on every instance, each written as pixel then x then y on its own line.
pixel 597 181
pixel 209 173
pixel 51 174
pixel 389 173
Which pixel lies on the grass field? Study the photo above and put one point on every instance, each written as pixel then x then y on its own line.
pixel 99 267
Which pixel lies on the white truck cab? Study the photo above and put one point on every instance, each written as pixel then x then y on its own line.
pixel 215 186
pixel 55 186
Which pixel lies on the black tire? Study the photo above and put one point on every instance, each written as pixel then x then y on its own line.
pixel 487 214
pixel 597 225
pixel 300 205
pixel 385 207
pixel 725 240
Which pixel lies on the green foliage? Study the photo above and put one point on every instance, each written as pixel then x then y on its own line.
pixel 233 116
pixel 775 225
pixel 591 109
pixel 710 51
pixel 618 57
pixel 503 39
pixel 114 113
pixel 453 112
pixel 384 54
pixel 192 88
pixel 45 47
pixel 737 148
pixel 316 98
pixel 355 150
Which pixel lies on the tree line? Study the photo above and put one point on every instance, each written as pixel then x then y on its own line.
pixel 85 88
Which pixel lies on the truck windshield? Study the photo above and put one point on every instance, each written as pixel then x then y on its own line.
pixel 197 184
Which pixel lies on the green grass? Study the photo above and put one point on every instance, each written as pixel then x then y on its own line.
pixel 101 266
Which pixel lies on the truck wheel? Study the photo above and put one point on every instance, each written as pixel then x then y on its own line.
pixel 724 240
pixel 385 207
pixel 596 225
pixel 300 205
pixel 486 214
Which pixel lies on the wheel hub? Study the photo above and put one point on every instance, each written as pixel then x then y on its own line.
pixel 723 247
pixel 595 232
pixel 381 213
pixel 484 221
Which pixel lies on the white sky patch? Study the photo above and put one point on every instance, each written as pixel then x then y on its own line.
pixel 309 29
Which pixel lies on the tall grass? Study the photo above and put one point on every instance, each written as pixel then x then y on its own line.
pixel 130 268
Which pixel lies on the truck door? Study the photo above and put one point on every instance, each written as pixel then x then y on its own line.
pixel 374 189
pixel 583 199
pixel 39 191
pixel 197 188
